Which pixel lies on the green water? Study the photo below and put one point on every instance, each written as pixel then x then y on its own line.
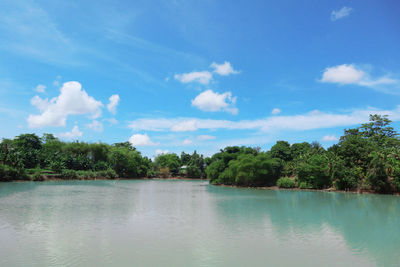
pixel 190 223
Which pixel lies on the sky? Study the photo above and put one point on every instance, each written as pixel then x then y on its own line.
pixel 172 76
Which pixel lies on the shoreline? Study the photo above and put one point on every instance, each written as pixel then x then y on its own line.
pixel 328 190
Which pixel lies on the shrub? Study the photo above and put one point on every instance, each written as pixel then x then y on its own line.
pixel 304 185
pixel 8 173
pixel 285 182
pixel 164 172
pixel 37 176
pixel 69 174
pixel 110 174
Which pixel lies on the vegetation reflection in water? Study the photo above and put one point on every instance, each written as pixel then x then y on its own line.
pixel 191 223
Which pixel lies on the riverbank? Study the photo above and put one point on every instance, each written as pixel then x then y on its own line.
pixel 57 178
pixel 176 178
pixel 365 191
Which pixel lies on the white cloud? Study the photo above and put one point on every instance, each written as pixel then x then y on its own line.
pixel 223 69
pixel 39 103
pixel 95 126
pixel 329 138
pixel 112 106
pixel 343 74
pixel 56 82
pixel 184 126
pixel 205 137
pixel 210 101
pixel 308 121
pixel 341 13
pixel 203 77
pixel 187 142
pixel 276 111
pixel 141 140
pixel 161 152
pixel 74 133
pixel 351 74
pixel 40 88
pixel 71 101
pixel 111 121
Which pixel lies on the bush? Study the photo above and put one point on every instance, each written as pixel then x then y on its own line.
pixel 304 185
pixel 164 172
pixel 285 182
pixel 69 174
pixel 110 174
pixel 36 175
pixel 8 173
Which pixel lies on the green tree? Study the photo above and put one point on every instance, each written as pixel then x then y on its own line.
pixel 281 150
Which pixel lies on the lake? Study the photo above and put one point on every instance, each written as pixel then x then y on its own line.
pixel 192 223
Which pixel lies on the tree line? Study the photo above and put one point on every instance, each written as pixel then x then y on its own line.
pixel 30 157
pixel 365 158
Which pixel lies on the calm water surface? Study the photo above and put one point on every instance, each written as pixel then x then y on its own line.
pixel 190 223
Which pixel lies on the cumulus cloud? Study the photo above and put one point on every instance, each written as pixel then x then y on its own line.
pixel 112 106
pixel 73 100
pixel 329 138
pixel 74 133
pixel 187 142
pixel 95 126
pixel 39 103
pixel 40 88
pixel 223 69
pixel 351 74
pixel 275 111
pixel 203 77
pixel 205 137
pixel 308 121
pixel 343 74
pixel 161 152
pixel 341 13
pixel 212 101
pixel 141 140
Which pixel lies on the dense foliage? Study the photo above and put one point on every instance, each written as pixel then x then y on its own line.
pixel 29 157
pixel 365 158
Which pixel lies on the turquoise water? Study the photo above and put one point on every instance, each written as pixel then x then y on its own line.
pixel 191 223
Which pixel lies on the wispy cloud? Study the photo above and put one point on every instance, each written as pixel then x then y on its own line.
pixel 341 13
pixel 95 126
pixel 40 88
pixel 351 74
pixel 28 30
pixel 329 138
pixel 275 111
pixel 203 77
pixel 308 121
pixel 205 137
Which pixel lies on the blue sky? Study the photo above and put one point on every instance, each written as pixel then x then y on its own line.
pixel 197 75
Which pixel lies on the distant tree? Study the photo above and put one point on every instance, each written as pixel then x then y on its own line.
pixel 171 161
